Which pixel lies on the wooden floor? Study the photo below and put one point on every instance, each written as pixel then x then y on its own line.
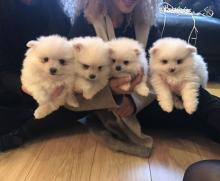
pixel 77 156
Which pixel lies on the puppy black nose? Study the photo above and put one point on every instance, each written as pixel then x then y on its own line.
pixel 118 68
pixel 172 70
pixel 92 76
pixel 53 71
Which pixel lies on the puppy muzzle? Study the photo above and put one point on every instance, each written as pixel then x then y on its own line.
pixel 53 71
pixel 172 70
pixel 92 77
pixel 118 68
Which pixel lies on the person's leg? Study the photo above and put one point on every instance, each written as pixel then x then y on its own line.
pixel 207 116
pixel 17 123
pixel 153 117
pixel 31 127
pixel 205 119
pixel 16 107
pixel 206 170
pixel 12 118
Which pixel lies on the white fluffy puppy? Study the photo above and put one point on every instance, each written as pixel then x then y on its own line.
pixel 177 71
pixel 128 57
pixel 92 65
pixel 48 65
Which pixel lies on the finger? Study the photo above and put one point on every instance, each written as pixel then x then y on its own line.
pixel 57 92
pixel 120 111
pixel 136 81
pixel 128 112
pixel 129 107
pixel 123 107
pixel 120 81
pixel 141 71
pixel 123 112
pixel 120 91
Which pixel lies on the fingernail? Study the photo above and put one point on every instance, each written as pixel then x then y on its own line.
pixel 128 78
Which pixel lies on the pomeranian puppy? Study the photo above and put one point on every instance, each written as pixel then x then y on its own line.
pixel 128 58
pixel 92 65
pixel 49 64
pixel 177 72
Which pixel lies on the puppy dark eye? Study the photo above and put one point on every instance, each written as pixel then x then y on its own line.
pixel 113 60
pixel 164 61
pixel 179 61
pixel 62 61
pixel 126 62
pixel 85 66
pixel 100 68
pixel 45 59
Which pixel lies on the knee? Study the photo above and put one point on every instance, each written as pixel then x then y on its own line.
pixel 206 170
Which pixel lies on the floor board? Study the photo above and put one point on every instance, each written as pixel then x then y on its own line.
pixel 112 166
pixel 171 157
pixel 16 164
pixel 64 158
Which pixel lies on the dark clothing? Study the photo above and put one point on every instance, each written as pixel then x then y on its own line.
pixel 20 23
pixel 26 127
pixel 207 116
pixel 205 119
pixel 81 27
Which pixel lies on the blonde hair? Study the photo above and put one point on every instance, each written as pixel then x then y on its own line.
pixel 145 12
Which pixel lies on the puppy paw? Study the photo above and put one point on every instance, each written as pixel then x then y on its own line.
pixel 72 103
pixel 166 106
pixel 40 113
pixel 191 107
pixel 125 87
pixel 88 95
pixel 142 91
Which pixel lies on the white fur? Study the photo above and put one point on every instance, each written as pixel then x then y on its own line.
pixel 38 80
pixel 130 56
pixel 184 81
pixel 91 58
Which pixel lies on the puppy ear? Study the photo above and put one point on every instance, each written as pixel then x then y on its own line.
pixel 153 50
pixel 31 43
pixel 78 47
pixel 137 51
pixel 191 49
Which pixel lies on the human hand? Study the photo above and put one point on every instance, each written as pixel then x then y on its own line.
pixel 57 92
pixel 125 109
pixel 116 83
